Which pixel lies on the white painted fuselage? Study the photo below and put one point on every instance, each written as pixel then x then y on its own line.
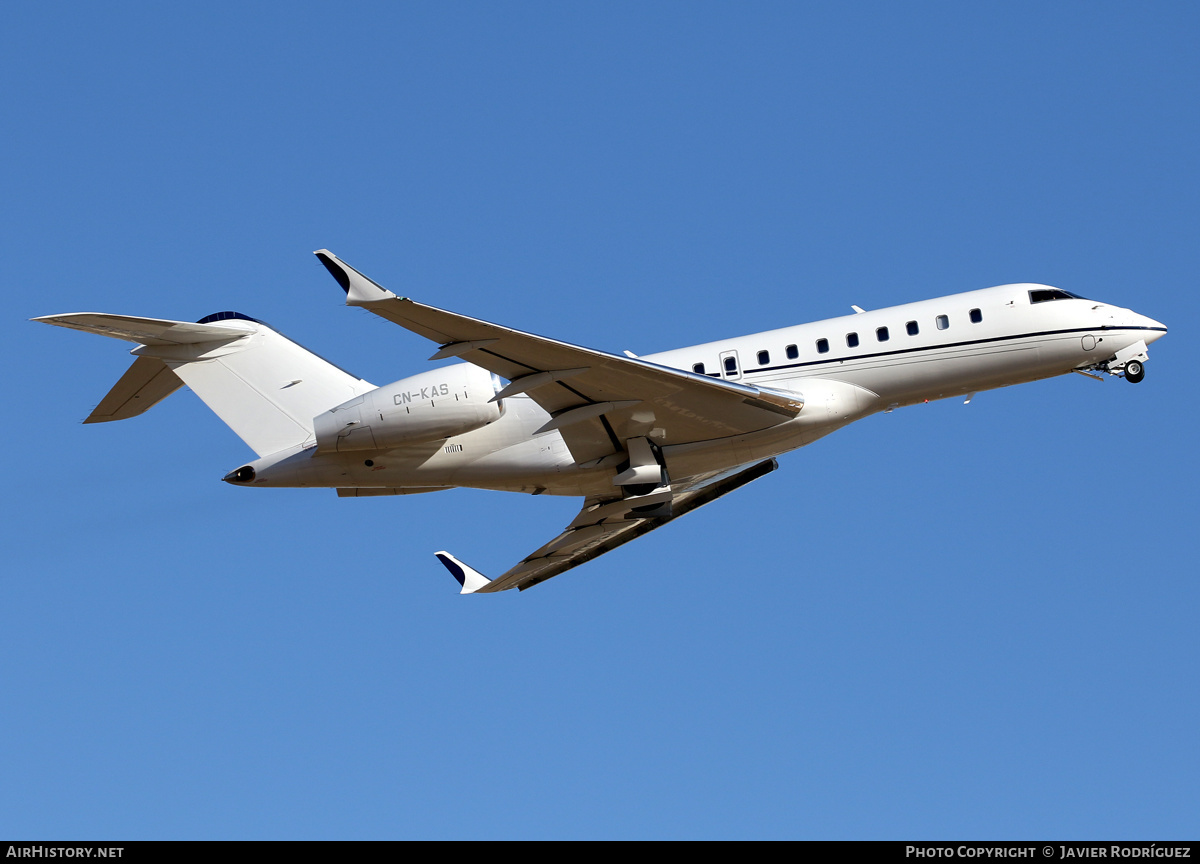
pixel 844 368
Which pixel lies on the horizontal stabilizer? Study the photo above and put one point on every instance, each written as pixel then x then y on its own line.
pixel 148 382
pixel 469 578
pixel 145 331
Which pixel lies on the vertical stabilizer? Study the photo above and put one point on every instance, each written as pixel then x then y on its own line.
pixel 265 387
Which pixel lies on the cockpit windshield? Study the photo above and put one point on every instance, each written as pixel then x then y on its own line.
pixel 1041 295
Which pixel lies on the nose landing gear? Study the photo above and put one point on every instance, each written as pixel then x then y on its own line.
pixel 1129 362
pixel 1133 371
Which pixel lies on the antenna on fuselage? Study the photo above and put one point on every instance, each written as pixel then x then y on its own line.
pixel 858 310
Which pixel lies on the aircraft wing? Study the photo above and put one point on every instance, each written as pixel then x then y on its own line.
pixel 601 526
pixel 598 400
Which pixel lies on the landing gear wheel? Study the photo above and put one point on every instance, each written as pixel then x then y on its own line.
pixel 1134 371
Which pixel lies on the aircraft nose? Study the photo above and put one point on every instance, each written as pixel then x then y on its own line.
pixel 1156 328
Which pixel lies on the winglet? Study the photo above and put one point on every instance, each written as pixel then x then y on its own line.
pixel 470 579
pixel 359 289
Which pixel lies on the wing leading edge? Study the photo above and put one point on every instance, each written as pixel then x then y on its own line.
pixel 601 526
pixel 597 400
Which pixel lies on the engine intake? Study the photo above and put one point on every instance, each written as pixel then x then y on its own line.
pixel 426 407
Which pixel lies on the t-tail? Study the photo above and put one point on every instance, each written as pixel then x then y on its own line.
pixel 265 387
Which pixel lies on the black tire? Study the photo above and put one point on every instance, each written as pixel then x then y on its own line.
pixel 1134 371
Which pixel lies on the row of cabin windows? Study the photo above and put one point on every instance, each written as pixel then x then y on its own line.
pixel 881 333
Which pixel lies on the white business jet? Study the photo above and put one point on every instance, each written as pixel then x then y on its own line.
pixel 642 439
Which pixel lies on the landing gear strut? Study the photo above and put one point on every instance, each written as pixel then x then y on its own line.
pixel 1129 362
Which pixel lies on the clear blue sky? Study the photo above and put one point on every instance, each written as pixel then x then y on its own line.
pixel 946 622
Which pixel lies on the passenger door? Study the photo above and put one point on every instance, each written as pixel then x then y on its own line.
pixel 730 368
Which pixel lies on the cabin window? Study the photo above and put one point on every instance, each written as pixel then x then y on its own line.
pixel 881 333
pixel 851 340
pixel 912 328
pixel 1041 295
pixel 698 368
pixel 822 346
pixel 943 322
pixel 792 352
pixel 976 316
pixel 731 365
pixel 764 357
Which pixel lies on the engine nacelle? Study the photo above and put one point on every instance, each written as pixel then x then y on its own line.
pixel 426 407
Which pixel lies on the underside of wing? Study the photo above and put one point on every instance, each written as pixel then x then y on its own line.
pixel 601 526
pixel 597 400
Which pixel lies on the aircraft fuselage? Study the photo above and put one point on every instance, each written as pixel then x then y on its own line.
pixel 845 368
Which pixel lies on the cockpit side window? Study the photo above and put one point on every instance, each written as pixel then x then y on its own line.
pixel 1042 295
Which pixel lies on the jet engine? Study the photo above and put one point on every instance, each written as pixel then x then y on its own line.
pixel 426 407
